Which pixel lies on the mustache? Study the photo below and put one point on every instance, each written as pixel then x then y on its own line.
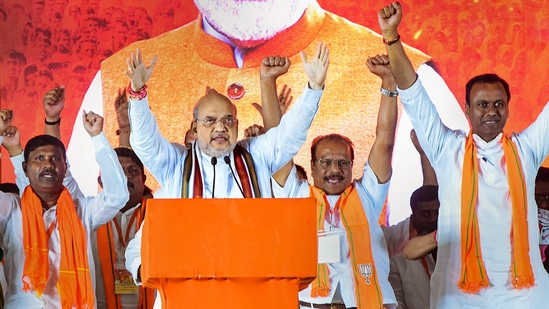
pixel 223 135
pixel 337 176
pixel 48 171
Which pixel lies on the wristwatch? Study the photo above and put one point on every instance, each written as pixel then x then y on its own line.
pixel 388 93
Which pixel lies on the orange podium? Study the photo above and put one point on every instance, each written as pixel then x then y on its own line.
pixel 229 253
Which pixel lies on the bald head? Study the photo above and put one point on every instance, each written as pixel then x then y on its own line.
pixel 211 95
pixel 215 125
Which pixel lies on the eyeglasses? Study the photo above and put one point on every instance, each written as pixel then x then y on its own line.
pixel 228 121
pixel 326 163
pixel 541 198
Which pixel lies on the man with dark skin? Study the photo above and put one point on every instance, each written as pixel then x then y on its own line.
pixel 58 225
pixel 488 254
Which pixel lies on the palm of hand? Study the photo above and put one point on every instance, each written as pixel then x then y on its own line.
pixel 316 71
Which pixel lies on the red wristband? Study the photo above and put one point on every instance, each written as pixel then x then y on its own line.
pixel 391 41
pixel 137 95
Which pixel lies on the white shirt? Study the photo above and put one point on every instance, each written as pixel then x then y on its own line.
pixel 445 149
pixel 269 151
pixel 92 211
pixel 372 196
pixel 164 160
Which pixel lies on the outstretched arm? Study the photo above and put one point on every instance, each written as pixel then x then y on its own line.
pixel 389 18
pixel 429 175
pixel 54 102
pixel 114 195
pixel 271 69
pixel 121 107
pixel 382 149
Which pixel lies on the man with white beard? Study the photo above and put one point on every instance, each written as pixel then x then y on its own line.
pixel 224 47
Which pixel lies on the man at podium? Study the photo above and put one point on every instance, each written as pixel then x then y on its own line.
pixel 216 165
pixel 353 261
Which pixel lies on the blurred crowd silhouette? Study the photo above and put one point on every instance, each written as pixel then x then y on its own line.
pixel 45 43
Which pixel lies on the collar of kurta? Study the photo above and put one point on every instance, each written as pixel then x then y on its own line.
pixel 295 39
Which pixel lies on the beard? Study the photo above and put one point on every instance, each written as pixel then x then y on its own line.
pixel 251 21
pixel 206 148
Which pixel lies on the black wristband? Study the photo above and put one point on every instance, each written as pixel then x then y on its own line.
pixel 52 123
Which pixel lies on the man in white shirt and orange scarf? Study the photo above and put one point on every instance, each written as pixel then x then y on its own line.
pixel 347 211
pixel 46 234
pixel 488 254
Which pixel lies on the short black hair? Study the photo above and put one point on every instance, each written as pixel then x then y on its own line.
pixel 543 175
pixel 333 137
pixel 425 193
pixel 44 140
pixel 489 78
pixel 9 187
pixel 129 153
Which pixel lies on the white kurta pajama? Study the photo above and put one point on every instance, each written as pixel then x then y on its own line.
pixel 92 211
pixel 445 149
pixel 372 196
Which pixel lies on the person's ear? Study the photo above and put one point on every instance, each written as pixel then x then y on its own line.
pixel 100 181
pixel 24 164
pixel 193 127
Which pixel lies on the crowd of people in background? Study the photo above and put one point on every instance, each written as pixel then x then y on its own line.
pixel 61 42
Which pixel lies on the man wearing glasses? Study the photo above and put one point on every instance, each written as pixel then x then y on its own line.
pixel 353 262
pixel 216 165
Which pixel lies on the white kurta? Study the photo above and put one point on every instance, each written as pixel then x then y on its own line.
pixel 445 149
pixel 372 196
pixel 92 211
pixel 164 160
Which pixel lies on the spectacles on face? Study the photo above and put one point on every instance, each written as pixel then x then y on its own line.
pixel 541 198
pixel 326 163
pixel 227 121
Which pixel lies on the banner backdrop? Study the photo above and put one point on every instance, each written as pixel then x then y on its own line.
pixel 45 43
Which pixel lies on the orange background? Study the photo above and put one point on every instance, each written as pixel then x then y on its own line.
pixel 64 41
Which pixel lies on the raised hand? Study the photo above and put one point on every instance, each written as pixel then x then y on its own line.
pixel 12 141
pixel 317 68
pixel 137 71
pixel 389 18
pixel 121 107
pixel 54 102
pixel 253 131
pixel 285 99
pixel 379 65
pixel 5 120
pixel 273 67
pixel 93 123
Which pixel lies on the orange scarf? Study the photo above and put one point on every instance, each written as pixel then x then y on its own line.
pixel 368 291
pixel 74 285
pixel 107 257
pixel 473 272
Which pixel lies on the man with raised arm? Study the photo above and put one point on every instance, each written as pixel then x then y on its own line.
pixel 46 234
pixel 216 165
pixel 487 226
pixel 356 276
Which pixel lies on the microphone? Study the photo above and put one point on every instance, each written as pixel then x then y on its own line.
pixel 227 160
pixel 214 162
